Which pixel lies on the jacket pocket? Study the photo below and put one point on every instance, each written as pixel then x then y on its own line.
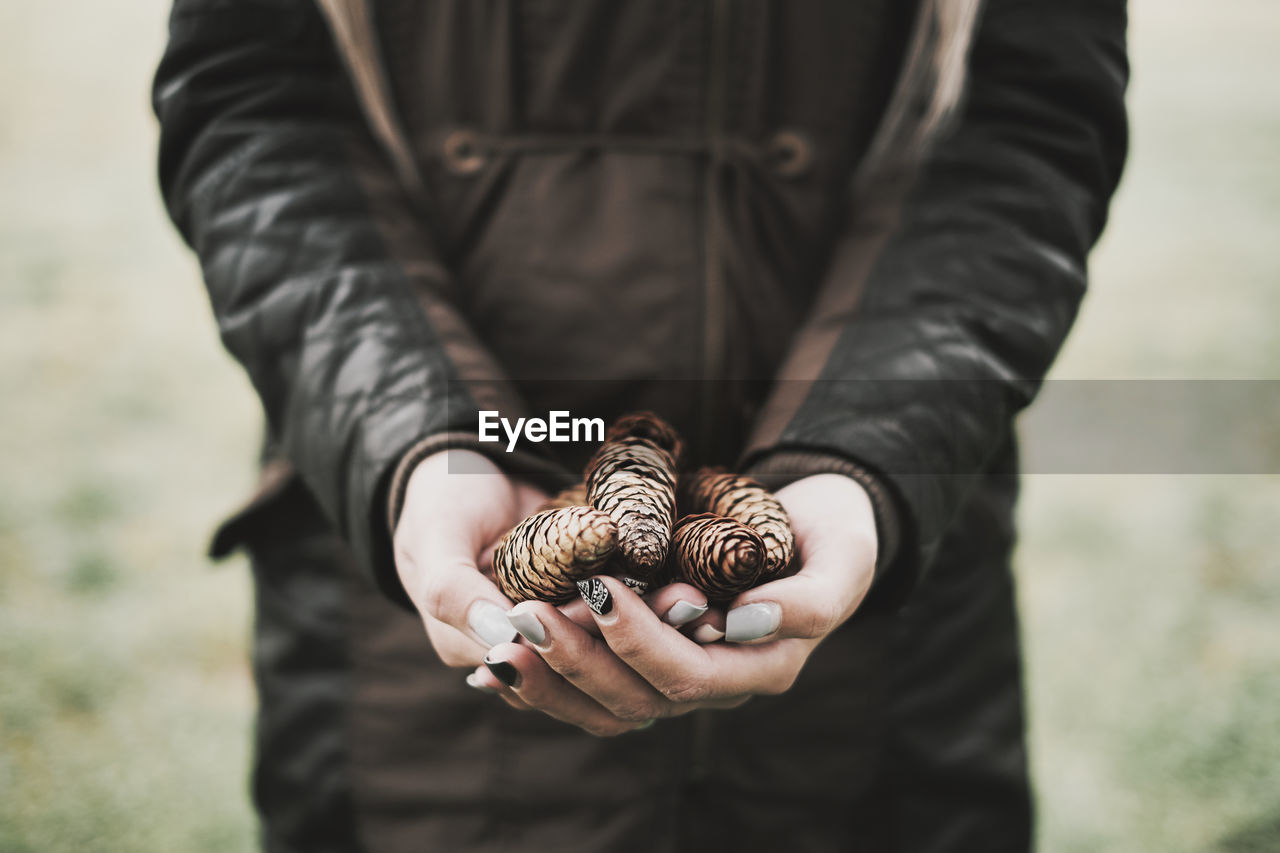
pixel 301 566
pixel 259 516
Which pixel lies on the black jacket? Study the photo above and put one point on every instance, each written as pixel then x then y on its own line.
pixel 817 236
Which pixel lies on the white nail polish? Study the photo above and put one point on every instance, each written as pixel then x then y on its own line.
pixel 705 634
pixel 752 621
pixel 473 681
pixel 528 625
pixel 490 623
pixel 683 612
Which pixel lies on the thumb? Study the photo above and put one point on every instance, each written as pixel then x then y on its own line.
pixel 809 605
pixel 444 583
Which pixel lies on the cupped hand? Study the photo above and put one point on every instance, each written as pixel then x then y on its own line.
pixel 642 668
pixel 457 507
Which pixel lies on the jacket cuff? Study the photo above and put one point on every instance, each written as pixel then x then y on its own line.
pixel 895 569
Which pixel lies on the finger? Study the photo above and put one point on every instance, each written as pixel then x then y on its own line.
pixel 661 655
pixel 739 671
pixel 708 628
pixel 679 668
pixel 578 612
pixel 664 600
pixel 520 670
pixel 452 646
pixel 485 682
pixel 678 603
pixel 450 590
pixel 587 663
pixel 832 582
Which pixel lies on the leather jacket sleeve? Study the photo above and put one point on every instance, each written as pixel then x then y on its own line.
pixel 323 281
pixel 938 319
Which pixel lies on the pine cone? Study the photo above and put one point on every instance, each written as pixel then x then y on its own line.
pixel 572 496
pixel 543 557
pixel 632 479
pixel 745 500
pixel 650 426
pixel 720 556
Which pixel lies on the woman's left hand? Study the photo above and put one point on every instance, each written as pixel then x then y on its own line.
pixel 642 667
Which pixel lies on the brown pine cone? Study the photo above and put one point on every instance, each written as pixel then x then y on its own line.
pixel 650 426
pixel 745 500
pixel 633 480
pixel 573 496
pixel 543 557
pixel 720 556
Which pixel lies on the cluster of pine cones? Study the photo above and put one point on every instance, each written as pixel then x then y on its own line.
pixel 636 517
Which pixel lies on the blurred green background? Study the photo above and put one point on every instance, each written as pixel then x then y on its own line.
pixel 1150 602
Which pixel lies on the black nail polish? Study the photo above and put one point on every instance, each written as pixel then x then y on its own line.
pixel 504 671
pixel 596 595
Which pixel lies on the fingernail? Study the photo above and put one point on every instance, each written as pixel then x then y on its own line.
pixel 504 671
pixel 752 621
pixel 473 680
pixel 645 725
pixel 528 625
pixel 596 595
pixel 490 623
pixel 705 634
pixel 636 586
pixel 683 612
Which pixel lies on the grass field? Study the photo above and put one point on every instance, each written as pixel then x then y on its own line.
pixel 125 703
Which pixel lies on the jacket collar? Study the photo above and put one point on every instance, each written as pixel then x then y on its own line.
pixel 351 22
pixel 927 93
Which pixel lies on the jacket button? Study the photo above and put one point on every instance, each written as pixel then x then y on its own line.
pixel 790 153
pixel 462 152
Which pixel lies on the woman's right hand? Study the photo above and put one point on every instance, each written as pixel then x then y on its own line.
pixel 457 507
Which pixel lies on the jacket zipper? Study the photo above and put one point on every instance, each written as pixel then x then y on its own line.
pixel 714 298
